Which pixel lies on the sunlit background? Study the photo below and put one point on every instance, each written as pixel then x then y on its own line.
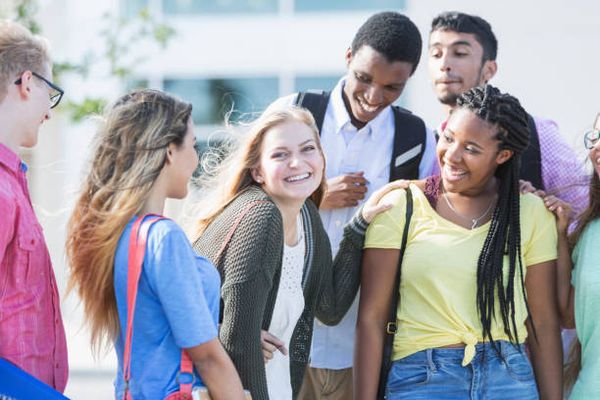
pixel 239 55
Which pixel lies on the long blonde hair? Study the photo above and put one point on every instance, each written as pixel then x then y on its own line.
pixel 130 152
pixel 234 174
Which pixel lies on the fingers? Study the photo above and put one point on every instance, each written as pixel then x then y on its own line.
pixel 526 186
pixel 270 343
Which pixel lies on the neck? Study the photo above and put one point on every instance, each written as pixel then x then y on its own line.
pixel 448 109
pixel 358 124
pixel 155 203
pixel 289 214
pixel 7 133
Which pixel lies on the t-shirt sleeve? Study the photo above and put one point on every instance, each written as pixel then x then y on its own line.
pixel 385 231
pixel 542 241
pixel 173 273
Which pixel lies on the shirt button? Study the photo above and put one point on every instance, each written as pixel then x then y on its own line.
pixel 338 223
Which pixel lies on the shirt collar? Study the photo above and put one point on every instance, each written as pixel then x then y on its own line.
pixel 342 118
pixel 11 159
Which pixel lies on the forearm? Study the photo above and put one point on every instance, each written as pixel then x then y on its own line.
pixel 564 267
pixel 219 375
pixel 341 286
pixel 368 349
pixel 546 358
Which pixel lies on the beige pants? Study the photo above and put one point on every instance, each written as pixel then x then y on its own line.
pixel 326 384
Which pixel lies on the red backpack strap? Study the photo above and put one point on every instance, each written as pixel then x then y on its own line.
pixel 187 367
pixel 137 250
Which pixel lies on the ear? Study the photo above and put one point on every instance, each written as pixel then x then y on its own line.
pixel 348 56
pixel 24 89
pixel 170 153
pixel 488 71
pixel 503 156
pixel 257 176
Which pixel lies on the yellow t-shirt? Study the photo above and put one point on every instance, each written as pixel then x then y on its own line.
pixel 439 272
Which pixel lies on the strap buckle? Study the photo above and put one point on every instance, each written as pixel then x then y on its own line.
pixel 391 328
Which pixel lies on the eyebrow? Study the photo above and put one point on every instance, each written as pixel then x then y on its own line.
pixel 456 43
pixel 469 142
pixel 299 145
pixel 597 122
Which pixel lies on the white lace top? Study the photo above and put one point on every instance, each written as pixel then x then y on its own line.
pixel 289 305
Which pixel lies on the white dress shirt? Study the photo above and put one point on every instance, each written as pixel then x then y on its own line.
pixel 348 149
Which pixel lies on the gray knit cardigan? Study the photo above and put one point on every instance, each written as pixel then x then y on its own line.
pixel 250 268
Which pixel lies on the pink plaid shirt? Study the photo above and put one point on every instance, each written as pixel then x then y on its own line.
pixel 32 335
pixel 563 172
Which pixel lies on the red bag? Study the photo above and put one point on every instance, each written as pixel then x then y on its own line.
pixel 137 250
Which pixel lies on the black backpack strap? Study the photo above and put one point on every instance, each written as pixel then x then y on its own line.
pixel 531 159
pixel 409 145
pixel 316 102
pixel 391 326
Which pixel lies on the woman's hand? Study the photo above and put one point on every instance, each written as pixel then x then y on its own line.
pixel 373 206
pixel 270 344
pixel 562 210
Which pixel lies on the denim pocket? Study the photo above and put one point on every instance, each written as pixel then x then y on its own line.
pixel 404 375
pixel 519 367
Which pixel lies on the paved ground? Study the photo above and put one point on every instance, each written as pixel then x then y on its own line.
pixel 89 378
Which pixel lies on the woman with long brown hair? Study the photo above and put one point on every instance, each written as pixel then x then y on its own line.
pixel 579 281
pixel 262 229
pixel 145 153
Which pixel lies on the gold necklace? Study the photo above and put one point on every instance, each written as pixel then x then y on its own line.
pixel 474 221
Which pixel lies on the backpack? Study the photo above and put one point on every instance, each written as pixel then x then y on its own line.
pixel 531 159
pixel 409 135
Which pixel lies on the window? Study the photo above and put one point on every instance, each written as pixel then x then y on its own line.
pixel 213 99
pixel 184 7
pixel 303 83
pixel 347 5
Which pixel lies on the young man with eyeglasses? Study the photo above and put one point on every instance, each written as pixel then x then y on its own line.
pixel 32 335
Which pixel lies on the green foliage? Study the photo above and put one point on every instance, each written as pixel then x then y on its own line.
pixel 121 36
pixel 88 106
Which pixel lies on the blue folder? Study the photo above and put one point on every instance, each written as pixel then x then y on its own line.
pixel 19 385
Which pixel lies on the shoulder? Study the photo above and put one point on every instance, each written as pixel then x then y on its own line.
pixel 534 211
pixel 545 125
pixel 165 234
pixel 253 203
pixel 7 201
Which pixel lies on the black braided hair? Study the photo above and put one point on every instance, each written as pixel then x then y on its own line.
pixel 505 113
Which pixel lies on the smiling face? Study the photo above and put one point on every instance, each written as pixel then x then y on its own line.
pixel 468 153
pixel 372 83
pixel 291 163
pixel 455 62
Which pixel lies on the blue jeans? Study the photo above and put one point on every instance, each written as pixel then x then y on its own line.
pixel 438 374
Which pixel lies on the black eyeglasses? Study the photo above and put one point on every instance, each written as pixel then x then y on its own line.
pixel 56 93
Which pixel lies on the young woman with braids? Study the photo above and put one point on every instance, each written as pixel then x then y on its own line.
pixel 145 154
pixel 478 273
pixel 579 281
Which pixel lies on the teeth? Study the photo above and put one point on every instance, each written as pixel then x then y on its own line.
pixel 454 172
pixel 297 177
pixel 367 107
